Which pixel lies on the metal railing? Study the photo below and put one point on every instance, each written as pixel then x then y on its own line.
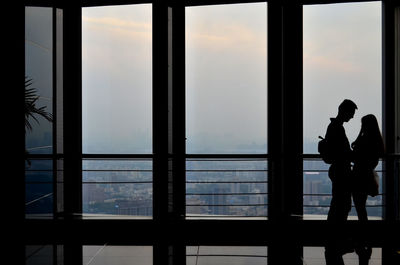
pixel 117 186
pixel 39 186
pixel 317 188
pixel 226 187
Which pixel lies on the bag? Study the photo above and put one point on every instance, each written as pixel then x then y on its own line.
pixel 373 184
pixel 324 150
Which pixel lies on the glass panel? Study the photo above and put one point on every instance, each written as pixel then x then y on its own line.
pixel 342 56
pixel 226 188
pixel 317 192
pixel 39 79
pixel 226 82
pixel 117 79
pixel 39 188
pixel 232 255
pixel 118 188
pixel 117 255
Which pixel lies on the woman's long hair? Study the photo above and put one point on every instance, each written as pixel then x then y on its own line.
pixel 371 134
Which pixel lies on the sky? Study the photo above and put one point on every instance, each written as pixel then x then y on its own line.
pixel 226 81
pixel 117 79
pixel 226 75
pixel 342 59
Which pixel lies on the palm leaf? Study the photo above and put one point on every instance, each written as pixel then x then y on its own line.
pixel 31 110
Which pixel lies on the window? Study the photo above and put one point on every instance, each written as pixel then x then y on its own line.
pixel 39 77
pixel 226 110
pixel 226 82
pixel 117 187
pixel 117 79
pixel 117 110
pixel 342 59
pixel 38 126
pixel 175 136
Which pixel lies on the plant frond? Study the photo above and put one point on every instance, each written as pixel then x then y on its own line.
pixel 31 110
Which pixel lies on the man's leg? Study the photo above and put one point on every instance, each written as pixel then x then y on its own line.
pixel 332 257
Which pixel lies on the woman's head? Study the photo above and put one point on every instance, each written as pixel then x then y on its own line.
pixel 370 129
pixel 369 125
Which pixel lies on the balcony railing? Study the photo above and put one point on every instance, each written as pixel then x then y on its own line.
pixel 317 189
pixel 39 188
pixel 226 187
pixel 218 186
pixel 117 187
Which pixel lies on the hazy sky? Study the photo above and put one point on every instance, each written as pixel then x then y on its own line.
pixel 226 81
pixel 117 79
pixel 226 74
pixel 342 59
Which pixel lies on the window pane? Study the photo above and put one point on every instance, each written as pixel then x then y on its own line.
pixel 39 195
pixel 342 59
pixel 226 188
pixel 226 82
pixel 117 188
pixel 117 79
pixel 317 192
pixel 39 77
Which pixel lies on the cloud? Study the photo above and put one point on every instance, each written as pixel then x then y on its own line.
pixel 121 28
pixel 229 37
pixel 330 63
pixel 116 22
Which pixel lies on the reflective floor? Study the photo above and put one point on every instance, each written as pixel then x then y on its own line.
pixel 195 255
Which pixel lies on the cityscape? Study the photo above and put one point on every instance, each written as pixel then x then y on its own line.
pixel 213 188
pixel 218 187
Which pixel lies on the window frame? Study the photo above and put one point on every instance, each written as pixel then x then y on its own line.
pixel 283 203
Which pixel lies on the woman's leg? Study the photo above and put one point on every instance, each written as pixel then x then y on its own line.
pixel 360 200
pixel 363 251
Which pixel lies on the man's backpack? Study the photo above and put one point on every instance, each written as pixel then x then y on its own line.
pixel 324 150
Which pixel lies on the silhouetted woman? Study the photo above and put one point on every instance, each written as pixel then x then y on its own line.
pixel 367 149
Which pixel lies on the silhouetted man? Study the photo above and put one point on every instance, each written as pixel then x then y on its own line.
pixel 340 174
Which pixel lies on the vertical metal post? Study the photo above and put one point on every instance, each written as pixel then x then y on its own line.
pixel 285 118
pixel 397 107
pixel 13 132
pixel 160 111
pixel 274 74
pixel 72 102
pixel 177 98
pixel 389 79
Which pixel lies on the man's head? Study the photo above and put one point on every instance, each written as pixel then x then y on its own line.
pixel 346 110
